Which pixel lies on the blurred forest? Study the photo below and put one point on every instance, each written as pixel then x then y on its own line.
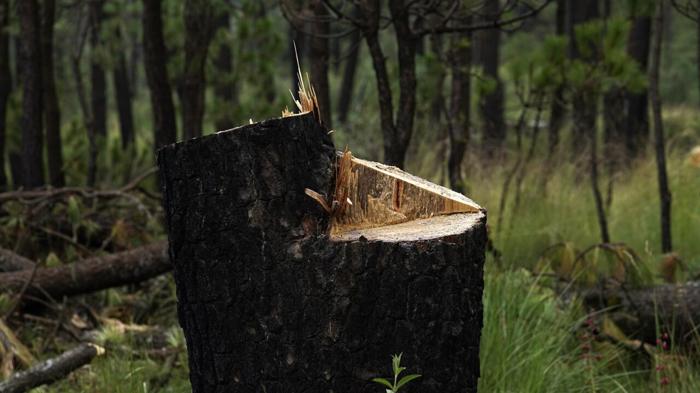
pixel 573 122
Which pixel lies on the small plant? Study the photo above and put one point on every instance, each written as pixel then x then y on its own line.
pixel 398 383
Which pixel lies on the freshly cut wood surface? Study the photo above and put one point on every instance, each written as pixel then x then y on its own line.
pixel 436 227
pixel 373 195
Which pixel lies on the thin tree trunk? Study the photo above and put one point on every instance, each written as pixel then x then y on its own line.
pixel 52 112
pixel 597 195
pixel 320 56
pixel 557 108
pixel 614 123
pixel 659 144
pixel 199 30
pixel 32 106
pixel 579 12
pixel 98 80
pixel 437 103
pixel 460 109
pixel 407 83
pixel 155 59
pixel 491 102
pixel 386 107
pixel 348 83
pixel 5 83
pixel 637 127
pixel 123 96
pixel 225 88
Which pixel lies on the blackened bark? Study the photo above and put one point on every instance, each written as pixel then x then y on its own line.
pixel 637 127
pixel 52 112
pixel 199 31
pixel 348 83
pixel 460 109
pixel 5 83
pixel 155 59
pixel 225 88
pixel 284 308
pixel 491 102
pixel 32 106
pixel 320 59
pixel 659 142
pixel 123 96
pixel 557 108
pixel 98 80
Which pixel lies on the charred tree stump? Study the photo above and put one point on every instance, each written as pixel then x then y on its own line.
pixel 275 296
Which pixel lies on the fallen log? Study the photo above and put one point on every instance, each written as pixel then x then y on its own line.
pixel 51 370
pixel 647 313
pixel 296 276
pixel 92 274
pixel 10 261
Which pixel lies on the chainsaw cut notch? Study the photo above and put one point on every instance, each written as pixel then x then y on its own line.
pixel 370 195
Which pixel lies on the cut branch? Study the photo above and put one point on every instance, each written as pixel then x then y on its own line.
pixel 92 274
pixel 51 370
pixel 10 262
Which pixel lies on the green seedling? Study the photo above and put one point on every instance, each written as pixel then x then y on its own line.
pixel 398 383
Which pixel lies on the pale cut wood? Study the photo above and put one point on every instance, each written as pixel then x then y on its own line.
pixel 370 195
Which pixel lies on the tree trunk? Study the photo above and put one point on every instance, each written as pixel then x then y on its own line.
pixel 579 12
pixel 637 127
pixel 98 81
pixel 320 59
pixel 460 109
pixel 5 83
pixel 52 112
pixel 288 306
pixel 491 102
pixel 32 108
pixel 557 108
pixel 123 96
pixel 225 88
pixel 659 142
pixel 346 87
pixel 199 31
pixel 155 60
pixel 406 111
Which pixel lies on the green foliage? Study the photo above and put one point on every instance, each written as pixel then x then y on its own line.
pixel 397 369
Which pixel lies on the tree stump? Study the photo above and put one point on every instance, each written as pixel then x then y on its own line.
pixel 275 294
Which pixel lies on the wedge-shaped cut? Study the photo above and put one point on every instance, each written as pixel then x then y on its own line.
pixel 373 195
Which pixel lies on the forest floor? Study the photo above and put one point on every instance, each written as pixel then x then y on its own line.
pixel 532 341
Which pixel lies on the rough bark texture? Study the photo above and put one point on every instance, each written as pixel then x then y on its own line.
pixel 199 30
pixel 51 370
pixel 52 112
pixel 269 302
pixel 91 274
pixel 155 59
pixel 5 83
pixel 32 108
